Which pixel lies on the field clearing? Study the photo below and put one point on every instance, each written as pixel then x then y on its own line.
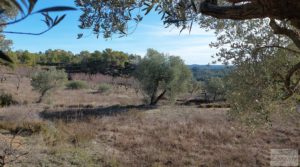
pixel 83 128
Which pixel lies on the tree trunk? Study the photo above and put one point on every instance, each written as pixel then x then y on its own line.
pixel 155 100
pixel 214 98
pixel 42 96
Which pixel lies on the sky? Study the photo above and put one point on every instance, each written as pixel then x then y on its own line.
pixel 192 47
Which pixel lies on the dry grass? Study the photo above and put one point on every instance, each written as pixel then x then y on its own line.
pixel 82 128
pixel 166 136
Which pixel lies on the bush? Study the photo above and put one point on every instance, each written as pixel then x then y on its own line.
pixel 104 88
pixel 6 100
pixel 22 128
pixel 46 81
pixel 77 85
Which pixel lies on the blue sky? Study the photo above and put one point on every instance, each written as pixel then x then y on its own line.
pixel 193 48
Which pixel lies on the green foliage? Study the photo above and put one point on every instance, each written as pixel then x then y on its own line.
pixel 107 18
pixel 56 56
pixel 261 62
pixel 46 81
pixel 255 87
pixel 160 74
pixel 104 88
pixel 195 86
pixel 76 85
pixel 26 58
pixel 6 99
pixel 215 86
pixel 108 62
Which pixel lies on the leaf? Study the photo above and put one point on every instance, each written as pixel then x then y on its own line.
pixel 163 16
pixel 48 18
pixel 5 57
pixel 31 5
pixel 55 20
pixel 56 9
pixel 79 36
pixel 24 3
pixel 183 28
pixel 47 22
pixel 194 5
pixel 190 30
pixel 18 6
pixel 59 19
pixel 149 9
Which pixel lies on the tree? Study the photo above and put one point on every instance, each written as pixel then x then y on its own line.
pixel 216 87
pixel 26 58
pixel 256 88
pixel 5 44
pixel 195 86
pixel 46 81
pixel 114 17
pixel 109 17
pixel 162 75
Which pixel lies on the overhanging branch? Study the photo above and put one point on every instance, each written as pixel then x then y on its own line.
pixel 236 12
pixel 293 35
pixel 252 9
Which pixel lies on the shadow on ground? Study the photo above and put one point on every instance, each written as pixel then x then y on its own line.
pixel 71 114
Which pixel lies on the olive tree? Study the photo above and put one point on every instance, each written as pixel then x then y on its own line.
pixel 46 81
pixel 161 75
pixel 215 86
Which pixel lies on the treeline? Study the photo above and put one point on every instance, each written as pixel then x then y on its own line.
pixel 107 61
pixel 208 80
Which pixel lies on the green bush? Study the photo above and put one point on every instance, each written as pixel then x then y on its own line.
pixel 6 99
pixel 104 88
pixel 47 81
pixel 77 85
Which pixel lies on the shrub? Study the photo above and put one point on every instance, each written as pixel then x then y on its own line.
pixel 46 81
pixel 77 85
pixel 6 99
pixel 104 88
pixel 22 128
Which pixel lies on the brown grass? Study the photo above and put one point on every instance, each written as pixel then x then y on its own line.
pixel 82 128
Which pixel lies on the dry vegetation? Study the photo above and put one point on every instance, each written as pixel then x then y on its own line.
pixel 86 128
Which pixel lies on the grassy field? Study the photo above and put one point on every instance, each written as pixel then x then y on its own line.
pixel 86 128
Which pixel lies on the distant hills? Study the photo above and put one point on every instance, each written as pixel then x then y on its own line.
pixel 208 67
pixel 204 72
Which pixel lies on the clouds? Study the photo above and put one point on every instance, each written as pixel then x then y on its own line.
pixel 192 47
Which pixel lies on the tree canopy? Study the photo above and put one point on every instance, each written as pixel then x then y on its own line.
pixel 109 17
pixel 162 75
pixel 252 29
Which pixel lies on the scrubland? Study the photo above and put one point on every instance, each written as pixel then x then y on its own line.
pixel 89 128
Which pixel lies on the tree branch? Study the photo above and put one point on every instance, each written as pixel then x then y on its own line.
pixel 14 22
pixel 275 9
pixel 288 81
pixel 293 35
pixel 239 12
pixel 279 47
pixel 26 33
